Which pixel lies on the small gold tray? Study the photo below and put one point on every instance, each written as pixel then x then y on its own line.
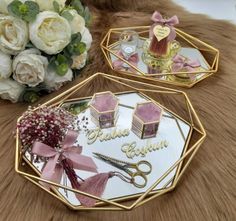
pixel 191 47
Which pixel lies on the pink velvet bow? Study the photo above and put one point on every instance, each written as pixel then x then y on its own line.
pixel 158 19
pixel 53 170
pixel 181 62
pixel 133 59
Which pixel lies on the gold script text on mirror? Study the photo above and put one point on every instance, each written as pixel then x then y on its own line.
pixel 98 134
pixel 131 150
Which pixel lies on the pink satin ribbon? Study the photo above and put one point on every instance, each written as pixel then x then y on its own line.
pixel 53 170
pixel 181 62
pixel 133 59
pixel 158 19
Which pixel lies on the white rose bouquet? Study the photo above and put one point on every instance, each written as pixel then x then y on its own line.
pixel 43 45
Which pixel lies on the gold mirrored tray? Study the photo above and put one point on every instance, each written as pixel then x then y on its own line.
pixel 179 136
pixel 191 48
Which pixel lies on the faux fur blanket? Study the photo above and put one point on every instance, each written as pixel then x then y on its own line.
pixel 207 190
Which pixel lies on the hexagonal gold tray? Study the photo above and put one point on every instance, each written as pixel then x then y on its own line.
pixel 179 127
pixel 191 47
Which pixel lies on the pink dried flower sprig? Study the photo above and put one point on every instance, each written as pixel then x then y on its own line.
pixel 45 124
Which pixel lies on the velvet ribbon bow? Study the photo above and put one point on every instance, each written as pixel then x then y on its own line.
pixel 53 169
pixel 170 22
pixel 180 63
pixel 133 59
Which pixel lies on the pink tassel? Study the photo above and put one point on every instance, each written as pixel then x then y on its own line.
pixel 94 185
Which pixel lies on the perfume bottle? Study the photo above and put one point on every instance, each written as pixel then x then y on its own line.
pixel 162 33
pixel 128 43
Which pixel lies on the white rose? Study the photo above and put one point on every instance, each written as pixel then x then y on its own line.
pixel 29 67
pixel 5 3
pixel 79 61
pixel 5 65
pixel 53 81
pixel 50 32
pixel 47 5
pixel 77 24
pixel 13 34
pixel 86 38
pixel 10 90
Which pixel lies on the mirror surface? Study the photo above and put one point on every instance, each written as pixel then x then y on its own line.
pixel 187 52
pixel 172 130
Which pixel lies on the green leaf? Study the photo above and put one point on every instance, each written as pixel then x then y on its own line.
pixel 27 11
pixel 60 64
pixel 81 48
pixel 14 8
pixel 52 64
pixel 62 69
pixel 67 15
pixel 70 49
pixel 33 7
pixel 29 45
pixel 30 96
pixel 68 57
pixel 56 6
pixel 78 108
pixel 24 9
pixel 70 61
pixel 76 37
pixel 77 5
pixel 76 47
pixel 33 10
pixel 61 59
pixel 66 53
pixel 87 16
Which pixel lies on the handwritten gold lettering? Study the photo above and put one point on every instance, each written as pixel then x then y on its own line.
pixel 98 134
pixel 131 150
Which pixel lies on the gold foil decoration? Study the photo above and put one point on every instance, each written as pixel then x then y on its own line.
pixel 161 32
pixel 131 150
pixel 98 134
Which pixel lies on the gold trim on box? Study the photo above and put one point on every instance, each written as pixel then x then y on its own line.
pixel 189 150
pixel 106 45
pixel 109 111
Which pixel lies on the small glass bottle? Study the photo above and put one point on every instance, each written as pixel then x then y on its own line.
pixel 128 43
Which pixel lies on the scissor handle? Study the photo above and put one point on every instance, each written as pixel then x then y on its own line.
pixel 139 179
pixel 146 164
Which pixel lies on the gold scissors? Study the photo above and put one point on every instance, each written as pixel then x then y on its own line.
pixel 138 178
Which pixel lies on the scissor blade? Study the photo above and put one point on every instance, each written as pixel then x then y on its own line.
pixel 110 160
pixel 105 158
